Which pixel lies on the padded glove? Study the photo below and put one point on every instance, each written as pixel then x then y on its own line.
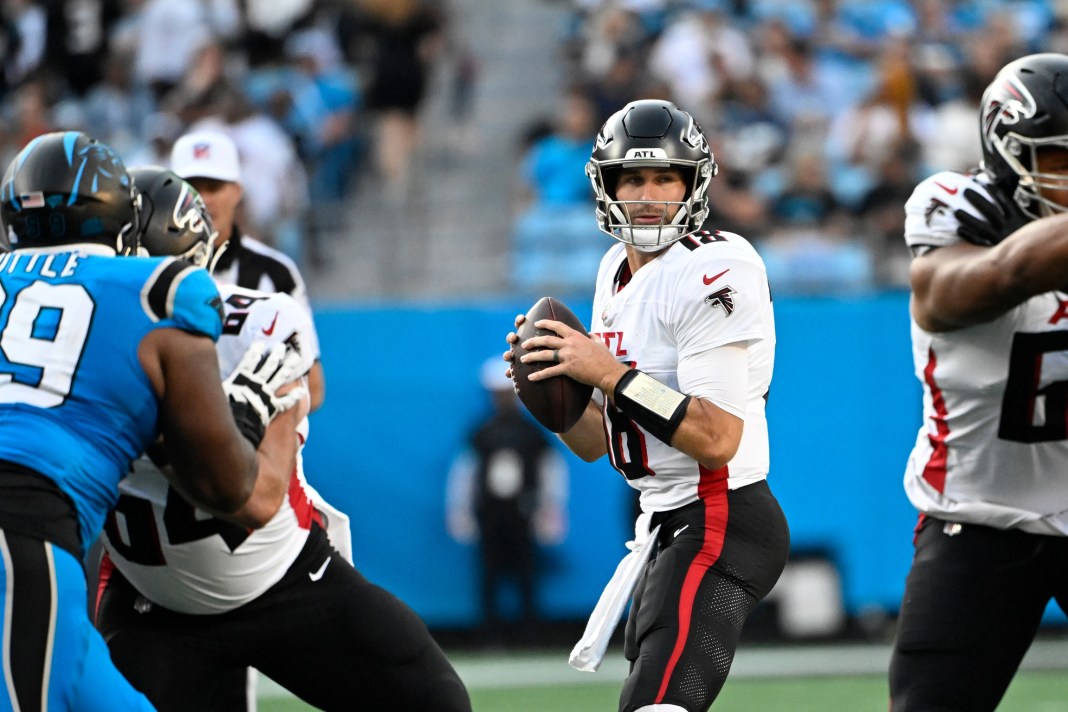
pixel 1002 218
pixel 253 388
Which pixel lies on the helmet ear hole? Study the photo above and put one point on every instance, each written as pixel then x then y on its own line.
pixel 610 176
pixel 688 176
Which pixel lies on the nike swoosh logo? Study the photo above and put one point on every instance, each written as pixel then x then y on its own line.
pixel 951 191
pixel 316 575
pixel 710 280
pixel 679 531
pixel 270 329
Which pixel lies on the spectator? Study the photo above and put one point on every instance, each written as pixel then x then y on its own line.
pixel 77 40
pixel 862 137
pixel 25 26
pixel 159 130
pixel 555 243
pixel 951 142
pixel 807 200
pixel 323 100
pixel 881 221
pixel 698 54
pixel 115 108
pixel 407 35
pixel 808 93
pixel 170 33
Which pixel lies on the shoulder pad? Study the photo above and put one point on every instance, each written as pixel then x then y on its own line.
pixel 157 294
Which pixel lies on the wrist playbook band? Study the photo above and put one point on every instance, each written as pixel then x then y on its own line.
pixel 649 403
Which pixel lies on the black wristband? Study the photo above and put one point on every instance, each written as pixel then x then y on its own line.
pixel 649 403
pixel 248 422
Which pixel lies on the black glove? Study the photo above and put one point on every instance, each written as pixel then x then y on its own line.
pixel 1002 218
pixel 252 388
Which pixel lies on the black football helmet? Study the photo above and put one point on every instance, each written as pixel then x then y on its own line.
pixel 1024 109
pixel 174 218
pixel 65 188
pixel 651 133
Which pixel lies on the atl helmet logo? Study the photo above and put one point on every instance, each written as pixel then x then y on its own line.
pixel 1006 104
pixel 637 153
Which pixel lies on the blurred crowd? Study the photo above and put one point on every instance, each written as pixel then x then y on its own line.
pixel 306 88
pixel 822 114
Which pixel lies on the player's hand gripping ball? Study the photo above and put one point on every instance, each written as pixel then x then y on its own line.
pixel 557 402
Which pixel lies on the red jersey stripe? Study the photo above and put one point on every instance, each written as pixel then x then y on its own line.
pixel 107 568
pixel 302 504
pixel 935 470
pixel 712 489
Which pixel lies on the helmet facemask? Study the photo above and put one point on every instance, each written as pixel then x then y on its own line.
pixel 128 241
pixel 1033 187
pixel 617 217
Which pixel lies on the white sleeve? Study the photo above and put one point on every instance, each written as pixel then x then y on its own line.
pixel 719 375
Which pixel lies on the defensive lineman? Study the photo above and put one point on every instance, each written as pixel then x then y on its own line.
pixel 97 353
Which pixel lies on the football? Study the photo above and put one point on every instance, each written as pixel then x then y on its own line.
pixel 557 402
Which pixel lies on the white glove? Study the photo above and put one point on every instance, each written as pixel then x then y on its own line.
pixel 253 387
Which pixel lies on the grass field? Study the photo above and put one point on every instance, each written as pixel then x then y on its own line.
pixel 781 680
pixel 1031 692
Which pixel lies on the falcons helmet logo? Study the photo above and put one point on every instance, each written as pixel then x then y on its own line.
pixel 722 298
pixel 1007 103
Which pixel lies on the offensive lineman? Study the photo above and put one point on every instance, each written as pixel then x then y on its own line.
pixel 682 347
pixel 989 335
pixel 98 354
pixel 187 601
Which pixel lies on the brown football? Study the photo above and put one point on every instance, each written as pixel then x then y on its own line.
pixel 557 402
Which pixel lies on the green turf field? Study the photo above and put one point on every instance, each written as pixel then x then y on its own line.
pixel 1032 691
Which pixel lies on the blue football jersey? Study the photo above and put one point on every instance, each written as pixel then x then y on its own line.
pixel 75 403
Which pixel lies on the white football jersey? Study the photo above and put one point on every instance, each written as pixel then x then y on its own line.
pixel 705 291
pixel 993 445
pixel 182 558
